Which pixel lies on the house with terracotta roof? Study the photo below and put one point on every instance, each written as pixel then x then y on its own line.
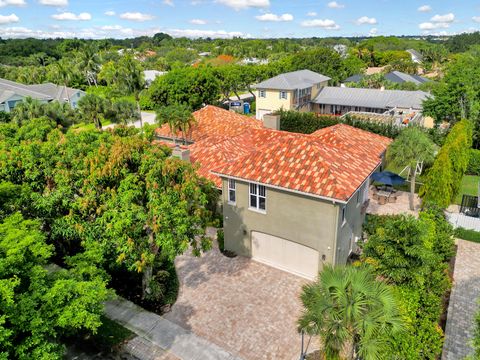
pixel 292 201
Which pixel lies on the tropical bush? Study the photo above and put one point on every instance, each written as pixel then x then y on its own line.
pixel 444 179
pixel 413 255
pixel 221 239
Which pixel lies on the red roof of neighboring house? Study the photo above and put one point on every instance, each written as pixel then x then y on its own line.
pixel 214 121
pixel 332 162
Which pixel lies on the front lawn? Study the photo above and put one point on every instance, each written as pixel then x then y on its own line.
pixel 469 186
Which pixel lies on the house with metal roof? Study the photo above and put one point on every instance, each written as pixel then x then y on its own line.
pixel 417 58
pixel 292 201
pixel 290 91
pixel 341 100
pixel 396 77
pixel 12 93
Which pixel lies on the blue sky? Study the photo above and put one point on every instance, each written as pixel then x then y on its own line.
pixel 227 18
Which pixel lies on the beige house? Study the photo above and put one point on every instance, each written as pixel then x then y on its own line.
pixel 291 201
pixel 289 91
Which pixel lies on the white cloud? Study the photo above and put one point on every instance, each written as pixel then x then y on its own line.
pixel 447 18
pixel 366 20
pixel 244 4
pixel 274 17
pixel 8 19
pixel 198 22
pixel 136 16
pixel 169 2
pixel 72 17
pixel 433 25
pixel 373 32
pixel 110 13
pixel 60 3
pixel 312 14
pixel 12 3
pixel 335 5
pixel 206 33
pixel 321 23
pixel 425 8
pixel 476 19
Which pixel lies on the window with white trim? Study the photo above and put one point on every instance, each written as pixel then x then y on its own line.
pixel 283 95
pixel 262 94
pixel 232 191
pixel 258 197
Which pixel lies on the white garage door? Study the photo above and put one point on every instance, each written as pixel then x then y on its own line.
pixel 285 255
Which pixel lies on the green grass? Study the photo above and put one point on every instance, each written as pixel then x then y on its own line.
pixel 466 234
pixel 110 334
pixel 469 186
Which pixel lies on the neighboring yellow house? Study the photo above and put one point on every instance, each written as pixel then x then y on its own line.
pixel 290 91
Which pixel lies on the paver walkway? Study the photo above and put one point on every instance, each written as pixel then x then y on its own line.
pixel 463 302
pixel 247 308
pixel 178 342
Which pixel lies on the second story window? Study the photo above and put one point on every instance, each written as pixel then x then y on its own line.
pixel 283 95
pixel 232 194
pixel 262 94
pixel 258 197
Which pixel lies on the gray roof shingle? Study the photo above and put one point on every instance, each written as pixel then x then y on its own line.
pixel 293 80
pixel 371 98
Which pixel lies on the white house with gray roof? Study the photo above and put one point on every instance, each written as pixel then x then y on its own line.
pixel 290 91
pixel 12 93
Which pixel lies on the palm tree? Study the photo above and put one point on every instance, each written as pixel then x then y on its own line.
pixel 178 117
pixel 411 147
pixel 354 314
pixel 131 79
pixel 27 110
pixel 64 75
pixel 91 108
pixel 89 62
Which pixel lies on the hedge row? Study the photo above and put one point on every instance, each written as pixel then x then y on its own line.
pixel 307 123
pixel 444 178
pixel 474 163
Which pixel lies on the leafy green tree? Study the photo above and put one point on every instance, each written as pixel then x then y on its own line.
pixel 92 108
pixel 412 146
pixel 38 305
pixel 191 86
pixel 124 112
pixel 353 313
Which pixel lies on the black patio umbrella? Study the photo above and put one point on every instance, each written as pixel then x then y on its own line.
pixel 388 178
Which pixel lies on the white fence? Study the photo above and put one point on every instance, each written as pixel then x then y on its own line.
pixel 466 222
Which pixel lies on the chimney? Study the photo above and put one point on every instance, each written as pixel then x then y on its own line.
pixel 271 121
pixel 181 153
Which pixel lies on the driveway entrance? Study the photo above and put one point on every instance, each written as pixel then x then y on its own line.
pixel 245 307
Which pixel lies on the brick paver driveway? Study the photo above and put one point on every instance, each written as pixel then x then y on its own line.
pixel 247 308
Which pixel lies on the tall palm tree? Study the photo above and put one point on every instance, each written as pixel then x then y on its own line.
pixel 411 147
pixel 354 314
pixel 63 74
pixel 178 117
pixel 92 108
pixel 131 79
pixel 89 62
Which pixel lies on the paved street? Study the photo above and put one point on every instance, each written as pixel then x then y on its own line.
pixel 245 307
pixel 463 302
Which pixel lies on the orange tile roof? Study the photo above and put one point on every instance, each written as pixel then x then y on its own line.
pixel 332 162
pixel 213 121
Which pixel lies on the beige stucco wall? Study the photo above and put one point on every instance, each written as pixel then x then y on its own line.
pixel 316 89
pixel 305 220
pixel 272 100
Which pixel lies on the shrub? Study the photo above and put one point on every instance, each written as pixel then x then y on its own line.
pixel 474 163
pixel 467 234
pixel 305 123
pixel 221 240
pixel 145 101
pixel 444 179
pixel 5 117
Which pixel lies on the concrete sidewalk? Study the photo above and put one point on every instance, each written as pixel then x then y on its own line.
pixel 163 333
